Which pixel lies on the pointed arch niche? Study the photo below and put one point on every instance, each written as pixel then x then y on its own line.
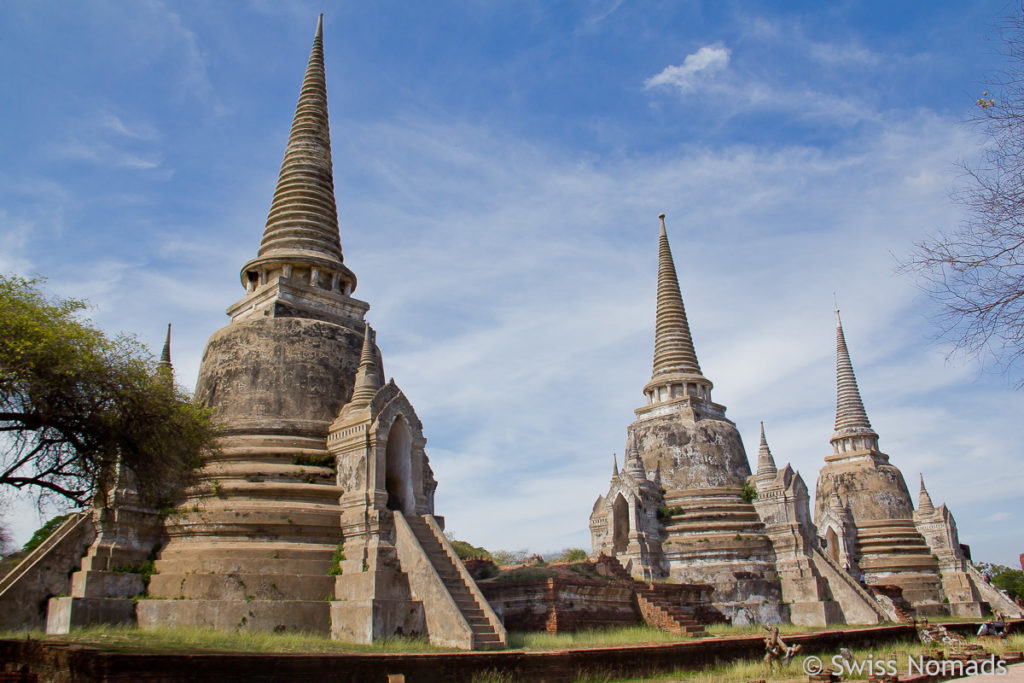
pixel 398 474
pixel 620 524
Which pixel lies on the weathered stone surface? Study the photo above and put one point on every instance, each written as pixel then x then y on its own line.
pixel 279 374
pixel 693 451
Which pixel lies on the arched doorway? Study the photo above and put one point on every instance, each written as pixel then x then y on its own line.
pixel 398 468
pixel 832 543
pixel 620 524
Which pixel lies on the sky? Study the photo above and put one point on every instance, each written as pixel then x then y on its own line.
pixel 499 169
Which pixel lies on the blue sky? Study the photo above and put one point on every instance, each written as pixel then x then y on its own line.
pixel 499 170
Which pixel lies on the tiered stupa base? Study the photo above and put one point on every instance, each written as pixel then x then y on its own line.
pixel 252 547
pixel 718 539
pixel 893 552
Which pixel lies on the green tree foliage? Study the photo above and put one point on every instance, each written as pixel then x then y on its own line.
pixel 76 406
pixel 468 551
pixel 507 558
pixel 569 555
pixel 43 533
pixel 1005 578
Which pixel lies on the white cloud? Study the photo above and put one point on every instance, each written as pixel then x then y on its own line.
pixel 694 70
pixel 999 517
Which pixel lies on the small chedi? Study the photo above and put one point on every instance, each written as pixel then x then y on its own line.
pixel 316 512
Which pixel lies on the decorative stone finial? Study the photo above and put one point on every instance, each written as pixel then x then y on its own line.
pixel 765 462
pixel 924 501
pixel 164 367
pixel 615 466
pixel 302 226
pixel 634 464
pixel 368 377
pixel 852 430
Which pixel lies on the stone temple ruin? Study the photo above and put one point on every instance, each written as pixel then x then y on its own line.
pixel 316 513
pixel 686 507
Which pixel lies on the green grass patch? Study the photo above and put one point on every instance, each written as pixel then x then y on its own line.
pixel 641 634
pixel 198 640
pixel 758 630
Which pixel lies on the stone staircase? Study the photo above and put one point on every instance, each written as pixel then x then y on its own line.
pixel 888 595
pixel 485 636
pixel 859 605
pixel 656 602
pixel 43 573
pixel 659 611
pixel 997 602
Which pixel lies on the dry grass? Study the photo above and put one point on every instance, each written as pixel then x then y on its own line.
pixel 751 670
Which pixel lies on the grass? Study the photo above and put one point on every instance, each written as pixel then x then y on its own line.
pixel 194 640
pixel 640 634
pixel 750 669
pixel 758 630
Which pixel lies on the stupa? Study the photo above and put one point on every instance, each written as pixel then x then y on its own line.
pixel 316 511
pixel 863 510
pixel 699 526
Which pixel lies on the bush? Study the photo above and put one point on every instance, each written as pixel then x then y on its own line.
pixel 468 551
pixel 569 555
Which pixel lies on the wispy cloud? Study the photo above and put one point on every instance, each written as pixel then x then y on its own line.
pixel 694 70
pixel 137 130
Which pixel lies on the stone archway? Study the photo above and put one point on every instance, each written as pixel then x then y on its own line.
pixel 832 543
pixel 620 524
pixel 398 468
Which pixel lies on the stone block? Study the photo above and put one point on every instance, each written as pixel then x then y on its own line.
pixel 102 584
pixel 816 613
pixel 230 615
pixel 67 613
pixel 364 621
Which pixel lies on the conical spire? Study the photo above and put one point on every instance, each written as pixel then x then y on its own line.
pixel 924 501
pixel 765 462
pixel 164 367
pixel 851 418
pixel 368 379
pixel 615 466
pixel 673 345
pixel 302 226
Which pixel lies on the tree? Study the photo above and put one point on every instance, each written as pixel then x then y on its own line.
pixel 1006 578
pixel 976 271
pixel 75 405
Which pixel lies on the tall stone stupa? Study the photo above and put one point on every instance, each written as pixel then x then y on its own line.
pixel 863 509
pixel 316 511
pixel 678 509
